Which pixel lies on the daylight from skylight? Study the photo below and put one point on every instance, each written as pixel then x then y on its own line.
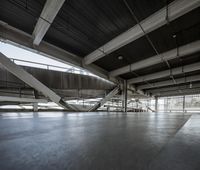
pixel 25 57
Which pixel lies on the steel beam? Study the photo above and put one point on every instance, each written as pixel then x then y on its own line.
pixel 182 51
pixel 32 81
pixel 156 104
pixel 166 73
pixel 104 100
pixel 21 99
pixel 125 96
pixel 132 88
pixel 174 88
pixel 171 82
pixel 21 39
pixel 179 93
pixel 46 18
pixel 174 10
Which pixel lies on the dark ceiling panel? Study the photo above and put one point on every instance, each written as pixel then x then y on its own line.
pixel 148 70
pixel 187 29
pixel 188 74
pixel 144 8
pixel 132 52
pixel 180 61
pixel 91 23
pixel 69 43
pixel 177 62
pixel 168 78
pixel 21 14
pixel 154 81
pixel 82 26
pixel 183 86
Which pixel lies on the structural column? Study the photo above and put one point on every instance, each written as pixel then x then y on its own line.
pixel 35 107
pixel 183 103
pixel 125 96
pixel 26 77
pixel 156 104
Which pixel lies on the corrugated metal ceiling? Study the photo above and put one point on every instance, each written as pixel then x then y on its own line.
pixel 186 28
pixel 82 26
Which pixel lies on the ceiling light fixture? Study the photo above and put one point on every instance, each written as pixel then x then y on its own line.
pixel 174 36
pixel 120 57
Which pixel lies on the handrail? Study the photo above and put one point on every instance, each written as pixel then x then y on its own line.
pixel 70 70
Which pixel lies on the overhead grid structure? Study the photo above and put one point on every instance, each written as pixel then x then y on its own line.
pixel 141 52
pixel 99 84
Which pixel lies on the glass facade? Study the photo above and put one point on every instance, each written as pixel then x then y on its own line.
pixel 188 103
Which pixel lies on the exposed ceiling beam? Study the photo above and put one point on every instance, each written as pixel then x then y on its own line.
pixel 21 39
pixel 136 91
pixel 166 73
pixel 46 18
pixel 26 77
pixel 21 99
pixel 170 82
pixel 174 88
pixel 177 93
pixel 105 99
pixel 175 9
pixel 182 51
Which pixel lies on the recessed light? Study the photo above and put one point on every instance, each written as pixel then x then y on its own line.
pixel 120 57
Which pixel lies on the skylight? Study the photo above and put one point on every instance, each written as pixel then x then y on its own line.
pixel 27 58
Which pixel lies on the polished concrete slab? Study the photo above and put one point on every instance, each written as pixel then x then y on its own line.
pixel 183 151
pixel 99 141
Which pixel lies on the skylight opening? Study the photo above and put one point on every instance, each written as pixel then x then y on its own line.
pixel 27 58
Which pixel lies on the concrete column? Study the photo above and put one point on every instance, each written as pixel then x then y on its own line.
pixel 35 107
pixel 156 104
pixel 183 103
pixel 125 96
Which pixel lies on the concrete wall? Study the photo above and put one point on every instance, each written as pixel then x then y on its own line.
pixel 55 80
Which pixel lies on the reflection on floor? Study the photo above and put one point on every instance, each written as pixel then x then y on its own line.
pixel 99 141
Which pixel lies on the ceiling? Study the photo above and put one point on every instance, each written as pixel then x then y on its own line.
pixel 82 26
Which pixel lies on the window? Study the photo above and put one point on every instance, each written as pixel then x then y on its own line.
pixel 27 58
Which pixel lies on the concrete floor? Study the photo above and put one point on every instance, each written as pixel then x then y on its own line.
pixel 99 141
